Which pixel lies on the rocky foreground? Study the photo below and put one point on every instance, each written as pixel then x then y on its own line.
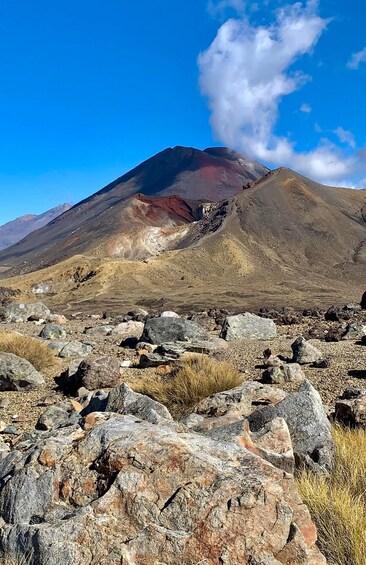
pixel 92 472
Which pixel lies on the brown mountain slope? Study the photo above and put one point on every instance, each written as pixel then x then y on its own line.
pixel 14 231
pixel 285 241
pixel 98 224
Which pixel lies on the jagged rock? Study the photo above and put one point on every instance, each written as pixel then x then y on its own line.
pixel 305 353
pixel 75 349
pixel 53 331
pixel 286 373
pixel 272 442
pixel 20 312
pixel 155 360
pixel 58 416
pixel 240 400
pixel 126 491
pixel 354 331
pixel 308 424
pixel 350 408
pixel 124 400
pixel 129 329
pixel 165 330
pixel 98 372
pixel 248 326
pixel 17 373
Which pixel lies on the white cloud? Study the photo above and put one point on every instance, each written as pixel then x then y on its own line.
pixel 345 136
pixel 246 72
pixel 217 7
pixel 356 59
pixel 306 108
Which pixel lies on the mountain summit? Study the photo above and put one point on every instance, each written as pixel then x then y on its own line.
pixel 136 216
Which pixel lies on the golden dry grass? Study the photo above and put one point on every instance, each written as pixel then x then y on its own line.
pixel 196 377
pixel 30 348
pixel 337 503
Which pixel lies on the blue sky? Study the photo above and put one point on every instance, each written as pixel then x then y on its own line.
pixel 90 89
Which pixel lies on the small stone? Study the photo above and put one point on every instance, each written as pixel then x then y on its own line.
pixel 10 430
pixel 325 363
pixel 4 403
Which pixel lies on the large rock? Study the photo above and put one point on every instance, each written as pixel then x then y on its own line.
pixel 286 373
pixel 128 329
pixel 163 330
pixel 76 349
pixel 248 326
pixel 17 373
pixel 98 372
pixel 126 491
pixel 304 352
pixel 20 312
pixel 308 424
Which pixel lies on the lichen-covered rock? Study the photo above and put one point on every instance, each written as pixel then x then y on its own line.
pixel 17 373
pixel 163 330
pixel 75 349
pixel 248 326
pixel 126 491
pixel 53 331
pixel 20 312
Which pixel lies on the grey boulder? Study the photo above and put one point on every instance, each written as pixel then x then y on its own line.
pixel 248 326
pixel 21 312
pixel 125 491
pixel 305 353
pixel 308 424
pixel 163 330
pixel 17 373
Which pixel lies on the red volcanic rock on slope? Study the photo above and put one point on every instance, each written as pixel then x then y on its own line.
pixel 14 231
pixel 141 213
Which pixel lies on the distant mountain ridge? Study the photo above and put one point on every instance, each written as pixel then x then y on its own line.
pixel 16 230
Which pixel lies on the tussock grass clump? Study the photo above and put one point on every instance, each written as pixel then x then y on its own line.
pixel 337 502
pixel 196 377
pixel 30 348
